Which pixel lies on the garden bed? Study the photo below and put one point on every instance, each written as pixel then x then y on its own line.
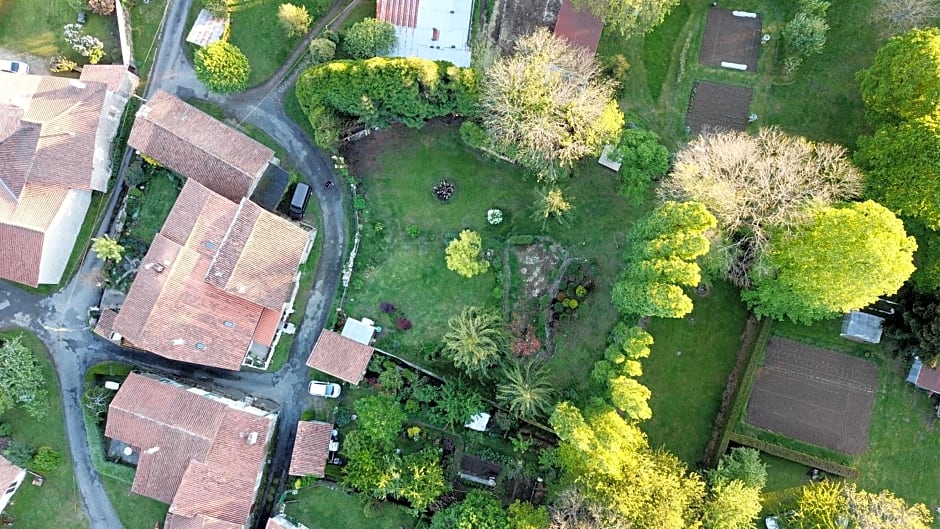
pixel 714 106
pixel 730 38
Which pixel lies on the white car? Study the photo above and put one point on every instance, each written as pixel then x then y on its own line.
pixel 14 67
pixel 324 389
pixel 771 522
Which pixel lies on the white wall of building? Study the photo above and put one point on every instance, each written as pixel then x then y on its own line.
pixel 60 237
pixel 10 488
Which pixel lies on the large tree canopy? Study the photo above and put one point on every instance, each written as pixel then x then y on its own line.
pixel 628 16
pixel 842 260
pixel 903 169
pixel 222 67
pixel 756 185
pixel 546 106
pixel 21 380
pixel 904 81
pixel 662 259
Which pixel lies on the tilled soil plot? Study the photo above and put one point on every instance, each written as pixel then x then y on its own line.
pixel 814 395
pixel 518 18
pixel 731 39
pixel 714 106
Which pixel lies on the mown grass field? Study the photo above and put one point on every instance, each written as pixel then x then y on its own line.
pixel 36 27
pixel 57 502
pixel 326 508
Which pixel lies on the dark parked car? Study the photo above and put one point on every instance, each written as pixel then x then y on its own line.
pixel 298 202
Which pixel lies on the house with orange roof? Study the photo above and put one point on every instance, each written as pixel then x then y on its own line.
pixel 202 454
pixel 579 26
pixel 55 151
pixel 217 284
pixel 341 356
pixel 11 476
pixel 199 147
pixel 312 446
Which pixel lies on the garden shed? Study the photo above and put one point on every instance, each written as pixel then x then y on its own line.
pixel 339 356
pixel 311 449
pixel 862 327
pixel 924 377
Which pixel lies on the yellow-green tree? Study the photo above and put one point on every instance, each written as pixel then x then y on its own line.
pixel 294 19
pixel 107 248
pixel 463 254
pixel 475 340
pixel 843 260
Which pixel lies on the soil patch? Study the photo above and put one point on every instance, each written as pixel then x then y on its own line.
pixel 730 39
pixel 814 395
pixel 512 19
pixel 714 106
pixel 536 264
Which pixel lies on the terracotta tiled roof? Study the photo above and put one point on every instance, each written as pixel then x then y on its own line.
pixel 48 135
pixel 340 357
pixel 259 257
pixel 114 76
pixel 198 522
pixel 279 522
pixel 8 472
pixel 311 448
pixel 198 146
pixel 178 313
pixel 105 323
pixel 580 27
pixel 398 12
pixel 210 455
pixel 928 378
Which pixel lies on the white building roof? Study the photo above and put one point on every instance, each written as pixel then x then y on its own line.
pixel 359 331
pixel 440 31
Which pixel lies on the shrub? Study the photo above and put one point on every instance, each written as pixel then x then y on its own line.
pixel 18 453
pixel 387 307
pixel 494 216
pixel 403 324
pixel 46 459
pixel 6 430
pixel 101 7
pixel 369 38
pixel 322 50
pixel 805 35
pixel 222 67
pixel 443 190
pixel 61 63
pixel 463 254
pixel 521 240
pixel 473 134
pixel 643 159
pixel 218 8
pixel 294 19
pixel 413 231
pixel 84 45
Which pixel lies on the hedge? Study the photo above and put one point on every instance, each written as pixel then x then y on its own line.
pixel 794 455
pixel 381 90
pixel 96 449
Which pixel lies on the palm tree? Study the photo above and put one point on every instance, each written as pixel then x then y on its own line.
pixel 475 341
pixel 526 391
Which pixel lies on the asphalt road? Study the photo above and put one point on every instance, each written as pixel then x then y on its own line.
pixel 60 320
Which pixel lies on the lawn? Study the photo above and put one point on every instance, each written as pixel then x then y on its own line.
pixel 36 27
pixel 57 500
pixel 326 508
pixel 158 199
pixel 146 19
pixel 133 510
pixel 687 370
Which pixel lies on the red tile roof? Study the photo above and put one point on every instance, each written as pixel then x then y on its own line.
pixel 105 323
pixel 198 146
pixel 579 27
pixel 398 12
pixel 259 257
pixel 205 467
pixel 311 448
pixel 179 313
pixel 928 378
pixel 49 128
pixel 8 472
pixel 340 357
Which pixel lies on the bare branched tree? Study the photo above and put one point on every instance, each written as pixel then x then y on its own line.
pixel 572 511
pixel 758 184
pixel 547 105
pixel 900 16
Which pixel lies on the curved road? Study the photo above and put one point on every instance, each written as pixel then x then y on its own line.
pixel 60 320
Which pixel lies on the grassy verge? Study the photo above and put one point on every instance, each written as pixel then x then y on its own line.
pixel 364 9
pixel 687 370
pixel 57 503
pixel 155 205
pixel 145 23
pixel 132 509
pixel 318 507
pixel 255 29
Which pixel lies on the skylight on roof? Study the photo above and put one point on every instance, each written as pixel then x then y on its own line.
pixel 201 346
pixel 229 324
pixel 210 245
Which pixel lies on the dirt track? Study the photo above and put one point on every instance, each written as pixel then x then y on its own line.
pixel 814 395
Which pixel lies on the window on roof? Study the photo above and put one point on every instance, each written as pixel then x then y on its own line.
pixel 201 346
pixel 435 34
pixel 210 245
pixel 229 324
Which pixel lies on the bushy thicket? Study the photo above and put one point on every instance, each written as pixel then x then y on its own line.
pixel 382 90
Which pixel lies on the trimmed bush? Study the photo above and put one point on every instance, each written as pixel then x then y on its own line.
pixel 222 67
pixel 322 50
pixel 369 38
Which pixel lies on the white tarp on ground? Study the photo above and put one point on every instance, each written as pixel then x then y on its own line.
pixel 207 29
pixel 442 32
